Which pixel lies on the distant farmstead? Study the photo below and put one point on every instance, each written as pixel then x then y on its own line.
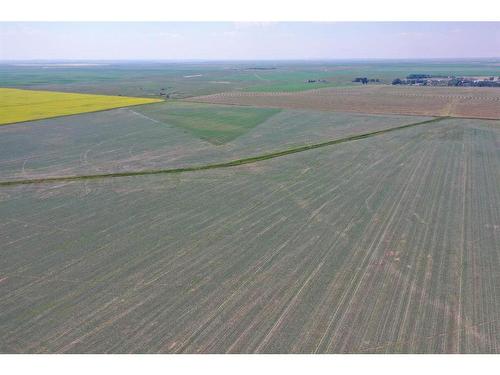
pixel 428 80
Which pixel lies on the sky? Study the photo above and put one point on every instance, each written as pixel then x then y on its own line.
pixel 247 41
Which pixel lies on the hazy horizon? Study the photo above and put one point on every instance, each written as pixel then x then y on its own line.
pixel 360 60
pixel 226 41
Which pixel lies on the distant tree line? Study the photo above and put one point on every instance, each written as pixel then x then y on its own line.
pixel 418 76
pixel 365 80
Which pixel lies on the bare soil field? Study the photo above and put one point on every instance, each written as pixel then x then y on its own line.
pixel 384 245
pixel 425 101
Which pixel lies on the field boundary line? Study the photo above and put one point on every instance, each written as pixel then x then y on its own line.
pixel 232 163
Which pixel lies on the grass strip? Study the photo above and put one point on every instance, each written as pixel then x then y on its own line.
pixel 233 163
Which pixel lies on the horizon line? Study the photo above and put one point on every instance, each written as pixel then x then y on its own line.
pixel 253 60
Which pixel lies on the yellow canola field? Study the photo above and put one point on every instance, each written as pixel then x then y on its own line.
pixel 25 105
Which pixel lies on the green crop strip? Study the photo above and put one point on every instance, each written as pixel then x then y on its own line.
pixel 233 163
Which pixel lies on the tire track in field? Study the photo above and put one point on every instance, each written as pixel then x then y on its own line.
pixel 146 117
pixel 350 294
pixel 427 338
pixel 396 310
pixel 209 320
pixel 233 163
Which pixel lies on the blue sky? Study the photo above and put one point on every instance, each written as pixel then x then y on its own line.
pixel 240 41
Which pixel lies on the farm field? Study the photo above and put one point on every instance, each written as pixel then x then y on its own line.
pixel 424 101
pixel 214 123
pixel 181 80
pixel 248 207
pixel 144 137
pixel 25 105
pixel 383 245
